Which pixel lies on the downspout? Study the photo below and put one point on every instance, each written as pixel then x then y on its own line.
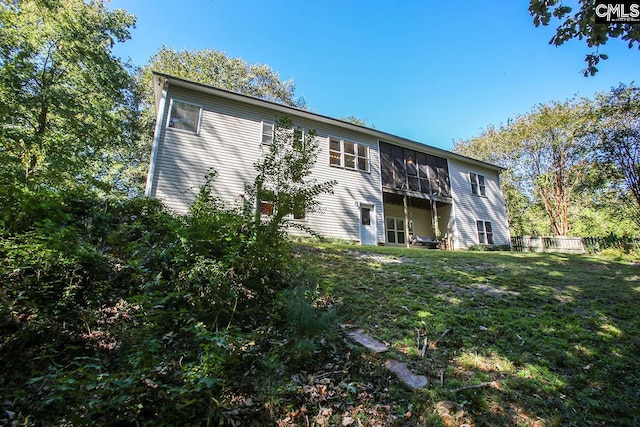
pixel 161 101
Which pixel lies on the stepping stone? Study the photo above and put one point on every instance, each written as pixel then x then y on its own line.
pixel 407 377
pixel 361 338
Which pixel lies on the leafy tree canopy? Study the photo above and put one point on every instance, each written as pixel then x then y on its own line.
pixel 582 25
pixel 547 156
pixel 571 166
pixel 618 133
pixel 63 95
pixel 357 121
pixel 215 68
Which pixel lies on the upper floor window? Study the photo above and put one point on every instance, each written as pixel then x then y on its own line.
pixel 478 186
pixel 485 232
pixel 348 155
pixel 267 133
pixel 184 116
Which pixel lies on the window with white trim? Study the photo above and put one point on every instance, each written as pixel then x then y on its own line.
pixel 485 232
pixel 348 155
pixel 267 133
pixel 266 208
pixel 395 230
pixel 184 116
pixel 298 136
pixel 478 186
pixel 299 211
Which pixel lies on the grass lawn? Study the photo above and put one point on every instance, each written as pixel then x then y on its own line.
pixel 511 338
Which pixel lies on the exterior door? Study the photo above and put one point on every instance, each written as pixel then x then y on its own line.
pixel 368 231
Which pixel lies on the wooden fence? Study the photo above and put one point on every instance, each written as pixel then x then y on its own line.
pixel 574 245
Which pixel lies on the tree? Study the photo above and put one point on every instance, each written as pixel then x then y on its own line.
pixel 212 67
pixel 582 25
pixel 63 95
pixel 618 132
pixel 357 121
pixel 547 155
pixel 284 180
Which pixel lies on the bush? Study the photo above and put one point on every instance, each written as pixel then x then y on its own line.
pixel 480 247
pixel 118 312
pixel 621 254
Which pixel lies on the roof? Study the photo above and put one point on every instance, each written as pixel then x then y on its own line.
pixel 161 79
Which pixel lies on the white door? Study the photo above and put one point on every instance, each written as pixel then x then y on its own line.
pixel 368 234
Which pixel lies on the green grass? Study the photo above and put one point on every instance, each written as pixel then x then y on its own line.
pixel 556 336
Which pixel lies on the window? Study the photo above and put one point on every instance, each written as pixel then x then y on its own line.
pixel 298 138
pixel 485 232
pixel 267 133
pixel 299 211
pixel 348 155
pixel 478 186
pixel 365 214
pixel 266 208
pixel 184 116
pixel 395 230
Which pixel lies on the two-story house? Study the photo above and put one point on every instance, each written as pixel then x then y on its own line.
pixel 388 187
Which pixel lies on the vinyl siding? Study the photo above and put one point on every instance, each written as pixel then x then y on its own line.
pixel 470 207
pixel 229 143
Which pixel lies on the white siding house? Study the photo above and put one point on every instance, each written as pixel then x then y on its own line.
pixel 388 187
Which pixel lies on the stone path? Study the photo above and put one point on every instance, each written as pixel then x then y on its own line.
pixel 398 368
pixel 407 377
pixel 363 339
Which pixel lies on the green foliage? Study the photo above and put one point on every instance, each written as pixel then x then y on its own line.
pixel 571 167
pixel 617 130
pixel 303 323
pixel 547 154
pixel 284 177
pixel 356 121
pixel 214 68
pixel 581 25
pixel 489 248
pixel 63 103
pixel 621 254
pixel 127 312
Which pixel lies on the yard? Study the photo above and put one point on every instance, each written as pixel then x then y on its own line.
pixel 504 338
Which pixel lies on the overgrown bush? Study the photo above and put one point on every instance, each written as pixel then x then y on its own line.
pixel 118 312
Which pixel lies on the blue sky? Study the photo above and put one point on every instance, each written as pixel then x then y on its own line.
pixel 434 72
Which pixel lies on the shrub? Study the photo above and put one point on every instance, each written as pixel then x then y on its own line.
pixel 481 247
pixel 115 311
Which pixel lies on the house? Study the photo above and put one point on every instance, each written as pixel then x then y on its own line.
pixel 388 188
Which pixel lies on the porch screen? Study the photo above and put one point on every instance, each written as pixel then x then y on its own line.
pixel 409 170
